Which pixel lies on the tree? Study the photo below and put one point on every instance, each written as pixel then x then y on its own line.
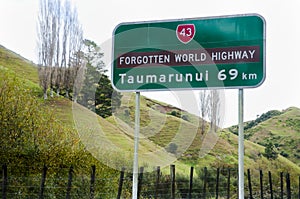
pixel 93 74
pixel 97 93
pixel 73 55
pixel 172 148
pixel 270 151
pixel 60 38
pixel 47 41
pixel 29 131
pixel 204 107
pixel 214 109
pixel 210 108
pixel 105 97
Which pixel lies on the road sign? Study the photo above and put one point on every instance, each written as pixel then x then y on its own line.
pixel 198 53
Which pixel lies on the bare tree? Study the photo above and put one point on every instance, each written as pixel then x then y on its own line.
pixel 214 109
pixel 43 46
pixel 47 41
pixel 73 55
pixel 210 103
pixel 44 76
pixel 60 38
pixel 204 107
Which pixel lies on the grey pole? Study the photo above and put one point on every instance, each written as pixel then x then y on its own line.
pixel 241 144
pixel 136 146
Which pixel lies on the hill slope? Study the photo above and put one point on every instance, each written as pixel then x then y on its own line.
pixel 168 134
pixel 281 130
pixel 22 67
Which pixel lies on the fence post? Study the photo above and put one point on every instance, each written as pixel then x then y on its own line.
pixel 249 183
pixel 172 172
pixel 68 196
pixel 42 188
pixel 4 181
pixel 92 186
pixel 281 185
pixel 261 184
pixel 228 184
pixel 288 186
pixel 121 182
pixel 204 182
pixel 299 188
pixel 217 183
pixel 140 181
pixel 191 182
pixel 270 183
pixel 157 182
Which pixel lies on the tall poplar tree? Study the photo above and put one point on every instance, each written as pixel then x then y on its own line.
pixel 214 109
pixel 60 39
pixel 204 107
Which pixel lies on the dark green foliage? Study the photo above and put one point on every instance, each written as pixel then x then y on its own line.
pixel 97 93
pixel 253 123
pixel 297 156
pixel 172 148
pixel 293 123
pixel 267 115
pixel 284 154
pixel 106 98
pixel 175 113
pixel 270 151
pixel 185 117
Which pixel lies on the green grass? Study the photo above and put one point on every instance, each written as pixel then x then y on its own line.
pixel 155 138
pixel 18 64
pixel 282 130
pixel 111 140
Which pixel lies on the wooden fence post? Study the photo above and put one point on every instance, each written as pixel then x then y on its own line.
pixel 261 184
pixel 204 182
pixel 228 184
pixel 249 184
pixel 281 185
pixel 270 183
pixel 140 181
pixel 217 183
pixel 191 182
pixel 288 186
pixel 68 196
pixel 4 181
pixel 299 188
pixel 121 182
pixel 157 182
pixel 92 186
pixel 43 180
pixel 172 172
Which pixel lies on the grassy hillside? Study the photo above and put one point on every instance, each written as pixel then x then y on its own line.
pixel 168 134
pixel 281 130
pixel 22 67
pixel 35 133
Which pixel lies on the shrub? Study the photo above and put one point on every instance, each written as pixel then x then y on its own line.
pixel 172 148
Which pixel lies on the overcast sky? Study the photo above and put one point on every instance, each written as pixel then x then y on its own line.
pixel 280 89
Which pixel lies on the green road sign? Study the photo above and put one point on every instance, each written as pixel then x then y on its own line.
pixel 217 52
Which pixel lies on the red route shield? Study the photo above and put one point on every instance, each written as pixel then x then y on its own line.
pixel 185 32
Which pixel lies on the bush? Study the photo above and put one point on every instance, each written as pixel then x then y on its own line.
pixel 284 154
pixel 270 151
pixel 185 117
pixel 172 148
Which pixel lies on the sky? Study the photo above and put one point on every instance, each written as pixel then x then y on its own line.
pixel 99 18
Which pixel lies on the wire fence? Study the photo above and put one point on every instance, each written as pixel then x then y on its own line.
pixel 204 182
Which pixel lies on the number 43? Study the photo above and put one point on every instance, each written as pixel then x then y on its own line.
pixel 186 32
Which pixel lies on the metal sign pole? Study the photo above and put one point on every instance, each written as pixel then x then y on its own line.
pixel 136 146
pixel 241 144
